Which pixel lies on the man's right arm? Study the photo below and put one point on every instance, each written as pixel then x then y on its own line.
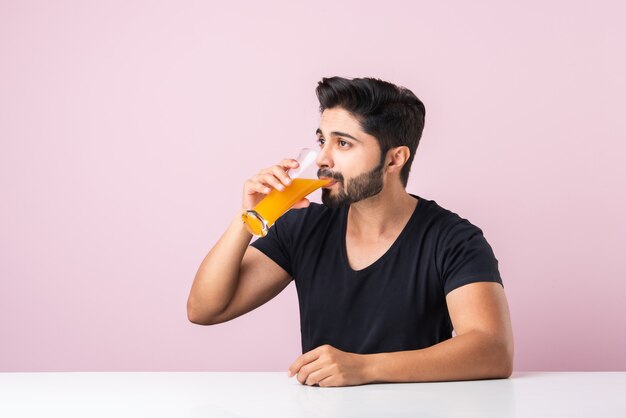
pixel 235 278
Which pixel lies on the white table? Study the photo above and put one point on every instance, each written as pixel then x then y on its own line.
pixel 274 394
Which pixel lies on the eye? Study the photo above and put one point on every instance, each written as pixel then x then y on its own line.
pixel 321 141
pixel 343 144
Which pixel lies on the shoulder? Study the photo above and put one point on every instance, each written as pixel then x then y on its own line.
pixel 445 223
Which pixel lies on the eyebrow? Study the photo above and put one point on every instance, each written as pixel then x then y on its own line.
pixel 337 133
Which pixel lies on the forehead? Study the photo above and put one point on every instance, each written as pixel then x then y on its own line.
pixel 338 119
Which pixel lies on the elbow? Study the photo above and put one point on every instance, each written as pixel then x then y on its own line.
pixel 195 316
pixel 197 319
pixel 497 362
pixel 505 370
pixel 508 367
pixel 505 361
pixel 194 319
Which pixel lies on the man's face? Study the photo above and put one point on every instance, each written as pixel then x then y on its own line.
pixel 350 157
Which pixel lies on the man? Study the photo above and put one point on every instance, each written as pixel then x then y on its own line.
pixel 383 276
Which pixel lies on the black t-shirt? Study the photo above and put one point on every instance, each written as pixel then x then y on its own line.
pixel 395 304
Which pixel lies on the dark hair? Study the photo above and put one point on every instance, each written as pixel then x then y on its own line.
pixel 392 114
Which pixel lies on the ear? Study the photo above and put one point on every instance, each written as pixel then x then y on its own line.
pixel 396 158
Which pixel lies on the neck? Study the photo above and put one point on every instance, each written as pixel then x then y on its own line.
pixel 381 215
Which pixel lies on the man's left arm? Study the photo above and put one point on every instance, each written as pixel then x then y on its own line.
pixel 481 349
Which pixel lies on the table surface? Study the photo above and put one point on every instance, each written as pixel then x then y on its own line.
pixel 273 394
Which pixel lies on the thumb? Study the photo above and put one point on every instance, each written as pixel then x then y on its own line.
pixel 303 203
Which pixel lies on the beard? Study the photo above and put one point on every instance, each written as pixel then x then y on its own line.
pixel 361 187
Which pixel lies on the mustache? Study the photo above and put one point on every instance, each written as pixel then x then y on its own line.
pixel 324 172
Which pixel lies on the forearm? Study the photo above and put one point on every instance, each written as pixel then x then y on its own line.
pixel 218 274
pixel 470 356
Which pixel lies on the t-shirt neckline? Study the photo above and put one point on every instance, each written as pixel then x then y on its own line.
pixel 392 248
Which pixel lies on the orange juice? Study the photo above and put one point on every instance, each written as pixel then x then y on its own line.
pixel 268 210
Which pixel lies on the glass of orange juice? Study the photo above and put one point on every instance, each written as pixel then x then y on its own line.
pixel 304 181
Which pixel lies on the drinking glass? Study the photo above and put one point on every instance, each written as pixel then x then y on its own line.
pixel 304 181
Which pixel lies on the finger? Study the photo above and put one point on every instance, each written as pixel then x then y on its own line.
pixel 327 381
pixel 303 360
pixel 257 187
pixel 315 377
pixel 295 366
pixel 271 180
pixel 282 175
pixel 288 163
pixel 307 369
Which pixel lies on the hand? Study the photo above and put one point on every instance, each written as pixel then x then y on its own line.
pixel 329 366
pixel 275 177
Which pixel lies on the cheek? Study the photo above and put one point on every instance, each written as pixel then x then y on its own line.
pixel 366 160
pixel 355 162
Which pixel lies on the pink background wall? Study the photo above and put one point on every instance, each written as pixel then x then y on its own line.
pixel 127 129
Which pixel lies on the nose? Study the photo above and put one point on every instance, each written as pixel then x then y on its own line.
pixel 324 159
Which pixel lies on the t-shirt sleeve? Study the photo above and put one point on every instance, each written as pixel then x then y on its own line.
pixel 277 244
pixel 465 256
